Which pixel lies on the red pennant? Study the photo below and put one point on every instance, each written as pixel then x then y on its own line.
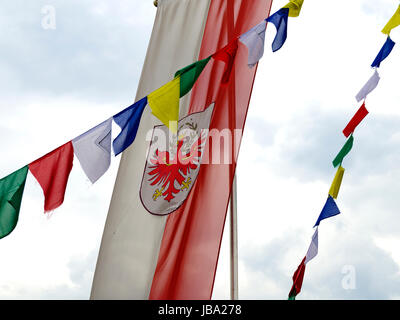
pixel 355 121
pixel 298 279
pixel 227 54
pixel 52 172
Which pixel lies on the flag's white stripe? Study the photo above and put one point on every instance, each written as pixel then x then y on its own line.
pixel 132 237
pixel 313 249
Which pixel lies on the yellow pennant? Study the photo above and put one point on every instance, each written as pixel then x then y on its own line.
pixel 294 7
pixel 393 22
pixel 337 181
pixel 164 103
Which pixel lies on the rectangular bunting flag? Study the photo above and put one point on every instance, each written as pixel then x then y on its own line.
pixel 11 191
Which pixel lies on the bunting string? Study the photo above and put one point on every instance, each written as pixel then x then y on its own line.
pixel 330 208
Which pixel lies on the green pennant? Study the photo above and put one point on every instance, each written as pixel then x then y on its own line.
pixel 190 74
pixel 11 191
pixel 343 152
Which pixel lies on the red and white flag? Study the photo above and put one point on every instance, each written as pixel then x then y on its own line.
pixel 159 256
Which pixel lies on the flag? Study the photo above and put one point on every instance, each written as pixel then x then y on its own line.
pixel 128 120
pixel 313 248
pixel 52 172
pixel 330 209
pixel 93 150
pixel 343 152
pixel 254 41
pixel 143 256
pixel 227 54
pixel 11 191
pixel 294 7
pixel 337 181
pixel 190 74
pixel 383 53
pixel 393 22
pixel 369 86
pixel 298 277
pixel 164 103
pixel 280 21
pixel 355 121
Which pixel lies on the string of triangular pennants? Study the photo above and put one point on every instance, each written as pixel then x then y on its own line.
pixel 93 148
pixel 330 208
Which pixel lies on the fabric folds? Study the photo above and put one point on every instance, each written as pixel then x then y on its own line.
pixel 313 248
pixel 227 54
pixel 355 121
pixel 164 103
pixel 298 277
pixel 368 87
pixel 128 120
pixel 11 191
pixel 383 53
pixel 52 172
pixel 393 22
pixel 254 40
pixel 93 150
pixel 294 7
pixel 336 183
pixel 343 152
pixel 190 74
pixel 280 21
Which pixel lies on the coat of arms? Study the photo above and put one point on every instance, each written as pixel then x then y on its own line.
pixel 173 163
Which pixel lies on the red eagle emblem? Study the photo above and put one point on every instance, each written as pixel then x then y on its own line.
pixel 165 171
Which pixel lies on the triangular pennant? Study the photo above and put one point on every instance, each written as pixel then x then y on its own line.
pixel 190 74
pixel 355 121
pixel 343 152
pixel 254 40
pixel 393 22
pixel 11 191
pixel 336 183
pixel 313 248
pixel 93 150
pixel 280 21
pixel 164 103
pixel 369 86
pixel 52 172
pixel 128 120
pixel 383 53
pixel 294 7
pixel 227 54
pixel 330 209
pixel 298 277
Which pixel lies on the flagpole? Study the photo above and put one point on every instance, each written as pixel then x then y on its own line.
pixel 234 242
pixel 234 286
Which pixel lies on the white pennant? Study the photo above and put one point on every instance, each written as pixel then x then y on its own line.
pixel 254 40
pixel 313 249
pixel 93 150
pixel 368 87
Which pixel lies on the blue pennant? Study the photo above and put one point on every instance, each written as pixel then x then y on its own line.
pixel 330 209
pixel 128 120
pixel 385 51
pixel 280 20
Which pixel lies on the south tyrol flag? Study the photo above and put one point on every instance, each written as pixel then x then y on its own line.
pixel 167 246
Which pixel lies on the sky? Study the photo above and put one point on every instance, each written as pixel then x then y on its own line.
pixel 59 82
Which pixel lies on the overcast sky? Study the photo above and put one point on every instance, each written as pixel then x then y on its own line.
pixel 57 83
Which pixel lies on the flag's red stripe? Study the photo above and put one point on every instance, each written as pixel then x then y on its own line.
pixel 190 246
pixel 355 121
